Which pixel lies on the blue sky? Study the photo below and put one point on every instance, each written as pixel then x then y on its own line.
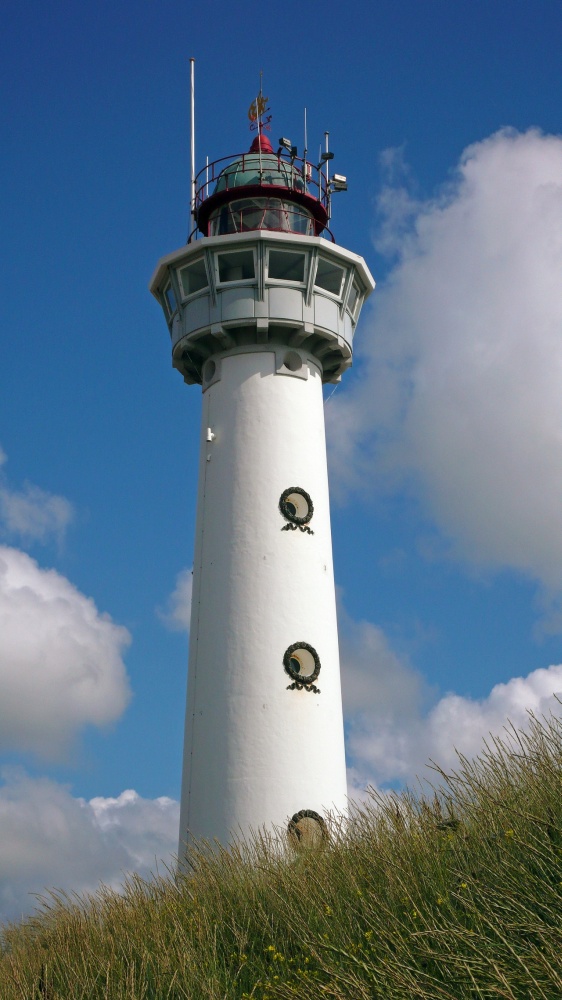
pixel 444 439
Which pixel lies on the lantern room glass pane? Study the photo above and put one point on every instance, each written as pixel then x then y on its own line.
pixel 286 266
pixel 194 277
pixel 245 214
pixel 329 276
pixel 237 266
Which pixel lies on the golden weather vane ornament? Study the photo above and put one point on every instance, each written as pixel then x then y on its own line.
pixel 257 109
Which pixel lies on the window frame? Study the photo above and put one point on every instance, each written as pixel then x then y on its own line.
pixel 335 296
pixel 291 282
pixel 168 287
pixel 235 281
pixel 187 296
pixel 353 312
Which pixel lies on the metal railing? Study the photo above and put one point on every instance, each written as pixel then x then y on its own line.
pixel 302 176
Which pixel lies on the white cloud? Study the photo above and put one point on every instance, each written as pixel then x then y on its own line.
pixel 177 614
pixel 51 839
pixel 145 828
pixel 32 514
pixel 375 678
pixel 392 732
pixel 460 367
pixel 61 664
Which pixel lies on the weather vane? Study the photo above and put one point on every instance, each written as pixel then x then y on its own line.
pixel 257 109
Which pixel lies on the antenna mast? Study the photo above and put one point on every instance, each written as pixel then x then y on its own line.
pixel 260 123
pixel 327 175
pixel 304 163
pixel 192 75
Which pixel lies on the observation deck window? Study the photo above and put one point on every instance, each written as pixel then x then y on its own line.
pixel 286 265
pixel 329 276
pixel 193 278
pixel 170 299
pixel 236 266
pixel 354 297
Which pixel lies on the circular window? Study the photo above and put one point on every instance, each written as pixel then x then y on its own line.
pixel 296 505
pixel 292 361
pixel 302 663
pixel 307 829
pixel 209 370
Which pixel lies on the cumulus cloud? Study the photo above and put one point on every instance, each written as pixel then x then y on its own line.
pixel 375 678
pixel 395 725
pixel 177 614
pixel 61 664
pixel 50 839
pixel 458 396
pixel 32 514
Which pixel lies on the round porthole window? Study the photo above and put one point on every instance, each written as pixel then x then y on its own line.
pixel 296 505
pixel 209 370
pixel 307 829
pixel 302 663
pixel 292 361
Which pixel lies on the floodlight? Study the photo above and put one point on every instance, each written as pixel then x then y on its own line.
pixel 338 182
pixel 286 143
pixel 324 159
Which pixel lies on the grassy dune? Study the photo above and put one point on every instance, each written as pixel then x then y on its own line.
pixel 453 896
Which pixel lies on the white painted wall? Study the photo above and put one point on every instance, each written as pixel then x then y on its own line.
pixel 255 752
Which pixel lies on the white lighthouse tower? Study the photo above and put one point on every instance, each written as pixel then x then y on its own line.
pixel 262 305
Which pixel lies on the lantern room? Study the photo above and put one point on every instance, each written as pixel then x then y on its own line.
pixel 262 189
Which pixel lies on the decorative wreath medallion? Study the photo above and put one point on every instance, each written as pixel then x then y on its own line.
pixel 302 664
pixel 297 508
pixel 295 828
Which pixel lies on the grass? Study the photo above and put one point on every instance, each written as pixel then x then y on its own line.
pixel 449 896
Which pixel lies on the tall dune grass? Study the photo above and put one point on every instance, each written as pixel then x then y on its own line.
pixel 444 897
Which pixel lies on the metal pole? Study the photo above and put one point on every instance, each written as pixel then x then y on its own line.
pixel 305 152
pixel 327 175
pixel 192 68
pixel 258 106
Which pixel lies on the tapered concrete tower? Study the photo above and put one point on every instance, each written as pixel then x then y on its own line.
pixel 262 306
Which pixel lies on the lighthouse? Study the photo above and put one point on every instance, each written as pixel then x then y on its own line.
pixel 262 305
